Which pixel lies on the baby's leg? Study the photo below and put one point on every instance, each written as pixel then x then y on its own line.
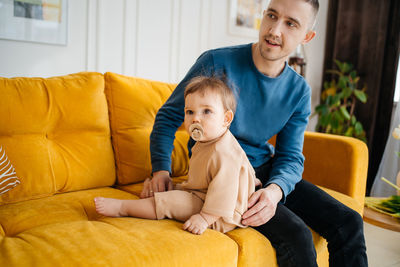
pixel 139 208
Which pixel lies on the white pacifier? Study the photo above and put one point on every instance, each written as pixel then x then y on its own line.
pixel 196 131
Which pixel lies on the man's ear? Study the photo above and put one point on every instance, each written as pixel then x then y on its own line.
pixel 228 118
pixel 309 36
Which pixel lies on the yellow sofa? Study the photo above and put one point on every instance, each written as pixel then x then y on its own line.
pixel 83 135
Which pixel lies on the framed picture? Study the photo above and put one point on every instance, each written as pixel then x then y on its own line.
pixel 245 17
pixel 42 21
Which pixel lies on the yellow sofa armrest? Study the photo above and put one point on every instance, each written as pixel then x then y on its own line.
pixel 336 162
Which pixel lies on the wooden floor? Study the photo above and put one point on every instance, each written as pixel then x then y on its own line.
pixel 383 246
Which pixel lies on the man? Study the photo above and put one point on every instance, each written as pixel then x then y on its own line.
pixel 272 99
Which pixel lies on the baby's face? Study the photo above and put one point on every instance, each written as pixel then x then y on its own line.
pixel 206 114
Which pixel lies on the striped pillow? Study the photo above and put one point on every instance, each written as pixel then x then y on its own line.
pixel 8 177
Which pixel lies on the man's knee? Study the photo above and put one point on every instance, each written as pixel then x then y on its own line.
pixel 354 221
pixel 351 227
pixel 300 235
pixel 299 250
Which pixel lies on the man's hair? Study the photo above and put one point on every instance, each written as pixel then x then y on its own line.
pixel 202 84
pixel 315 6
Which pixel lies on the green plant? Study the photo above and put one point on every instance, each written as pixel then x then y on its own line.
pixel 338 101
pixel 389 206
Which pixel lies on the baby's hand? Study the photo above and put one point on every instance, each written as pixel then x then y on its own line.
pixel 196 224
pixel 258 183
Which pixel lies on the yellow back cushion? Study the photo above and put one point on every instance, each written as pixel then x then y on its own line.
pixel 133 104
pixel 56 132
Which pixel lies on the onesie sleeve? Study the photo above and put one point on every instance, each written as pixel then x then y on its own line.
pixel 223 189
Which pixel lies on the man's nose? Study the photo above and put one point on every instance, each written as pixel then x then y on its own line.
pixel 275 29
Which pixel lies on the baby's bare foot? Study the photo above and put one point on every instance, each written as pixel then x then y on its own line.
pixel 108 206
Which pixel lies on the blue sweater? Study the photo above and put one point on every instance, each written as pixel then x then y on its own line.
pixel 265 107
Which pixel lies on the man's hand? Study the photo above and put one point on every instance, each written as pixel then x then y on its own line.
pixel 161 182
pixel 196 224
pixel 262 205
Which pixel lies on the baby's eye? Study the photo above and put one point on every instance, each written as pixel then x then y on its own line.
pixel 189 112
pixel 207 111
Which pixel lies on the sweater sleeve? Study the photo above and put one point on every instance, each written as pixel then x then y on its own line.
pixel 288 164
pixel 171 115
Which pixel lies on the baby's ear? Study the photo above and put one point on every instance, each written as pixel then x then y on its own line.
pixel 228 118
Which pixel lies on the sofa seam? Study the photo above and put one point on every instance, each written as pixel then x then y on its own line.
pixel 111 112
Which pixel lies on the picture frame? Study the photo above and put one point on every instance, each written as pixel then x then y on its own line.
pixel 245 17
pixel 41 21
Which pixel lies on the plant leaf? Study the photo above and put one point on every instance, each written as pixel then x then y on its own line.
pixel 339 64
pixel 347 92
pixel 347 67
pixel 358 128
pixel 334 123
pixel 325 119
pixel 345 113
pixel 353 120
pixel 360 95
pixel 336 100
pixel 343 80
pixel 338 116
pixel 349 131
pixel 334 72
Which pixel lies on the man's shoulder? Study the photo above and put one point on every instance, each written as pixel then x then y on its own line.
pixel 229 50
pixel 297 81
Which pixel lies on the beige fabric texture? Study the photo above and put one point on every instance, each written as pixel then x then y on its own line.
pixel 220 182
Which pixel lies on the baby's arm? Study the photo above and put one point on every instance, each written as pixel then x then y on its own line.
pixel 257 183
pixel 199 222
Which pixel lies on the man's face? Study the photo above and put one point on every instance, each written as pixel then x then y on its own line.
pixel 285 25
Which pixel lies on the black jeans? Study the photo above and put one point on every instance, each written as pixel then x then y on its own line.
pixel 308 205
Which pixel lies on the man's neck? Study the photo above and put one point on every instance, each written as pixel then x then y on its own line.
pixel 270 68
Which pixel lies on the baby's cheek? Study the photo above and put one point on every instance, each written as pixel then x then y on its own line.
pixel 187 125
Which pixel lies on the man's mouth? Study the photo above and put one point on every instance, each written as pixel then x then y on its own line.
pixel 272 43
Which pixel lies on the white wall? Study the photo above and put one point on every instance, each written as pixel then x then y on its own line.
pixel 315 54
pixel 33 59
pixel 155 39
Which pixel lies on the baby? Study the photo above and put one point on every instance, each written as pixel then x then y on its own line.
pixel 220 179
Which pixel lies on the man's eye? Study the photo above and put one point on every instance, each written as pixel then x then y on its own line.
pixel 271 16
pixel 291 24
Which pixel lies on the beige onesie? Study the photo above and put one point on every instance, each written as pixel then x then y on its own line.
pixel 220 182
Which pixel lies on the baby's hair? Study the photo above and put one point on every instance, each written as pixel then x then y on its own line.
pixel 202 84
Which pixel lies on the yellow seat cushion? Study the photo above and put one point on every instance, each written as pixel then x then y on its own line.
pixel 133 104
pixel 65 230
pixel 56 133
pixel 254 248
